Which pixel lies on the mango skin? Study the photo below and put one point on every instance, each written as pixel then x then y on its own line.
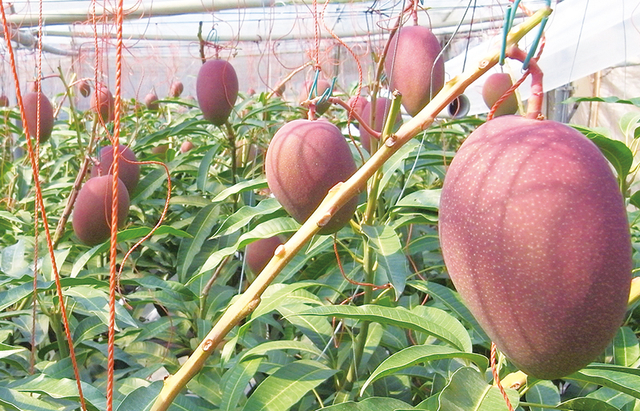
pixel 494 87
pixel 151 101
pixel 92 211
pixel 128 171
pixel 535 237
pixel 217 90
pixel 102 102
pixel 176 89
pixel 259 253
pixel 30 102
pixel 383 105
pixel 304 160
pixel 412 68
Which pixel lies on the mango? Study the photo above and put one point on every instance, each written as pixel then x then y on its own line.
pixel 415 66
pixel 217 90
pixel 92 211
pixel 30 102
pixel 304 160
pixel 535 237
pixel 128 171
pixel 102 102
pixel 493 88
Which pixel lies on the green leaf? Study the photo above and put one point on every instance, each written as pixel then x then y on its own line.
pixel 264 230
pixel 618 154
pixel 629 124
pixel 135 233
pixel 451 299
pixel 203 169
pixel 240 187
pixel 545 393
pixel 244 215
pixel 635 199
pixel 95 302
pixel 200 229
pixel 623 379
pixel 318 330
pixel 62 389
pixel 15 400
pixel 467 390
pixel 384 240
pixel 633 101
pixel 142 398
pixel 284 388
pixel 278 295
pixel 419 354
pixel 396 162
pixel 437 326
pixel 611 397
pixel 235 382
pixel 585 404
pixel 265 347
pixel 371 404
pixel 626 349
pixel 422 199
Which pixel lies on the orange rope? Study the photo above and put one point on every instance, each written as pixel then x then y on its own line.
pixel 40 202
pixel 496 377
pixel 114 206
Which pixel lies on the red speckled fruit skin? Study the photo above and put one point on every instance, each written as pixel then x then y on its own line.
pixel 92 211
pixel 412 68
pixel 535 237
pixel 305 159
pixel 383 105
pixel 128 172
pixel 176 89
pixel 151 101
pixel 258 253
pixel 494 87
pixel 217 90
pixel 102 102
pixel 30 101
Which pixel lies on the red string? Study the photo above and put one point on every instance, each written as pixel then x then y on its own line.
pixel 114 206
pixel 40 202
pixel 496 377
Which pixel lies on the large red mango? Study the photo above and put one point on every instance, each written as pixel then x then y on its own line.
pixel 494 87
pixel 412 67
pixel 217 90
pixel 92 211
pixel 30 102
pixel 535 237
pixel 128 171
pixel 305 159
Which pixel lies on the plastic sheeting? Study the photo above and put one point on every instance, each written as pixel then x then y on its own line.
pixel 582 37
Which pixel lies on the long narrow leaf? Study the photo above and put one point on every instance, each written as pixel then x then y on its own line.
pixel 281 390
pixel 419 354
pixel 397 316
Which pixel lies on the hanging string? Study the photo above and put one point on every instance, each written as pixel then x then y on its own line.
pixel 496 377
pixel 36 207
pixel 114 206
pixel 39 200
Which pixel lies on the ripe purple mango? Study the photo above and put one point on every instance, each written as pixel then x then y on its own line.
pixel 412 67
pixel 383 105
pixel 128 171
pixel 102 102
pixel 30 102
pixel 494 87
pixel 151 101
pixel 535 237
pixel 305 159
pixel 217 90
pixel 92 211
pixel 258 253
